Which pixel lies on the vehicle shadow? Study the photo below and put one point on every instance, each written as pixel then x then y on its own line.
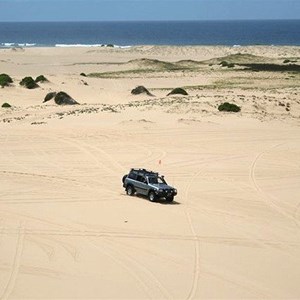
pixel 158 201
pixel 164 202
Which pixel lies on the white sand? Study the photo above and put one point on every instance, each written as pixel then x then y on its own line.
pixel 67 229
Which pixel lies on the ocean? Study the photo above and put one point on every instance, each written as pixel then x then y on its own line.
pixel 124 34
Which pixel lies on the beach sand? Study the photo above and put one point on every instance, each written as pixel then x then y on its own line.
pixel 67 228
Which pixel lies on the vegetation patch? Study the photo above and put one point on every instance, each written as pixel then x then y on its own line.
pixel 224 63
pixel 237 58
pixel 287 61
pixel 189 63
pixel 178 91
pixel 5 80
pixel 6 105
pixel 41 78
pixel 29 83
pixel 121 74
pixel 141 90
pixel 63 98
pixel 60 98
pixel 272 67
pixel 49 96
pixel 147 66
pixel 226 106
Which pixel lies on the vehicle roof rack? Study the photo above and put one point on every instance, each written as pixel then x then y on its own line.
pixel 145 172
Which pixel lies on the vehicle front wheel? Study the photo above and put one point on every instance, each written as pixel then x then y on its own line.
pixel 129 190
pixel 152 196
pixel 170 199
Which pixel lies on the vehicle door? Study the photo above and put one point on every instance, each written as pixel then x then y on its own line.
pixel 141 185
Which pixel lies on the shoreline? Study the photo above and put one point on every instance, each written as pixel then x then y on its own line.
pixel 8 46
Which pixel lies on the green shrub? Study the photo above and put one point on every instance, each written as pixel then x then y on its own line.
pixel 110 45
pixel 140 90
pixel 5 80
pixel 6 105
pixel 272 67
pixel 49 96
pixel 63 98
pixel 29 83
pixel 83 74
pixel 41 78
pixel 177 91
pixel 224 63
pixel 229 107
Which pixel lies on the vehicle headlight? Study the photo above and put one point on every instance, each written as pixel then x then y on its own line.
pixel 175 191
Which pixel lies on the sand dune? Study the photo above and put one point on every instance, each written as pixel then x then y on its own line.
pixel 67 228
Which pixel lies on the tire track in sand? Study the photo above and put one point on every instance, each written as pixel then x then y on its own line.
pixel 241 242
pixel 124 266
pixel 16 263
pixel 151 276
pixel 58 179
pixel 196 271
pixel 264 196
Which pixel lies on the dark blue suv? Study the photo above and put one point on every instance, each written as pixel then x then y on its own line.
pixel 148 183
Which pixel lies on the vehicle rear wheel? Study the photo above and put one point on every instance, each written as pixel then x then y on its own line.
pixel 170 199
pixel 129 190
pixel 152 196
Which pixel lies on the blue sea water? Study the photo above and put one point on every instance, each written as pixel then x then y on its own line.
pixel 31 34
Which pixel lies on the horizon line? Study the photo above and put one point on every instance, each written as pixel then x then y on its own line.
pixel 192 20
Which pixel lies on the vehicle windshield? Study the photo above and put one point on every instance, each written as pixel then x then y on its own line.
pixel 156 180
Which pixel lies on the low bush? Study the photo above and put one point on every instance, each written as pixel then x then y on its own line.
pixel 49 96
pixel 226 64
pixel 63 98
pixel 178 91
pixel 5 80
pixel 29 83
pixel 272 67
pixel 6 105
pixel 83 74
pixel 140 90
pixel 41 78
pixel 229 107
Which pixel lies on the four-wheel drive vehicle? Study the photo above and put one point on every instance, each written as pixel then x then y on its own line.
pixel 148 183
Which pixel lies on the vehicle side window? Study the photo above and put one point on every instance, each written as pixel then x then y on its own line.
pixel 161 180
pixel 141 178
pixel 132 176
pixel 152 180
